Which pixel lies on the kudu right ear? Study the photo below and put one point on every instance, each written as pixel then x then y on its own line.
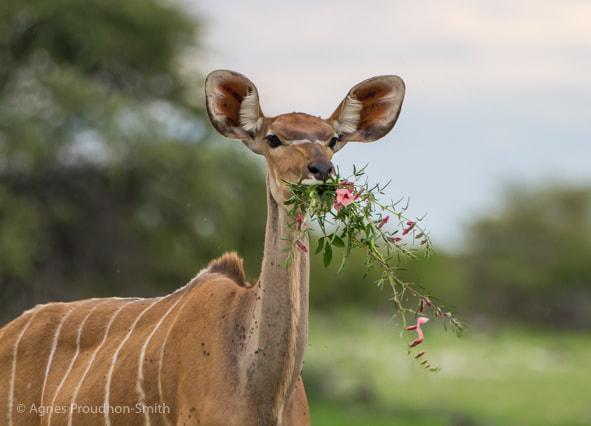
pixel 233 105
pixel 370 110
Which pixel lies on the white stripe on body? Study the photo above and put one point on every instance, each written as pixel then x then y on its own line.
pixel 139 388
pixel 13 370
pixel 71 364
pixel 114 359
pixel 52 353
pixel 160 391
pixel 75 394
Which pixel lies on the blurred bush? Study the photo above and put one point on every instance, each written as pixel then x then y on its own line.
pixel 109 181
pixel 531 261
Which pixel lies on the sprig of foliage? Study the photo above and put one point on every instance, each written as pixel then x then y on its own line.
pixel 350 216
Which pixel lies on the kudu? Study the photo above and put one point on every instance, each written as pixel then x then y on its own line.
pixel 220 350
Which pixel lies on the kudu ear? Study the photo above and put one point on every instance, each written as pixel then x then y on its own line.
pixel 233 105
pixel 370 110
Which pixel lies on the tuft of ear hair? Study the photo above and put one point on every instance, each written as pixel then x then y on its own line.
pixel 349 117
pixel 249 112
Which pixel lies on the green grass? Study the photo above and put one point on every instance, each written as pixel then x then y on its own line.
pixel 357 372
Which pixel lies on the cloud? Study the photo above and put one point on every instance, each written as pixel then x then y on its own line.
pixel 496 90
pixel 448 50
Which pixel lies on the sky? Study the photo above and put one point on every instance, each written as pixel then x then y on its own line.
pixel 497 92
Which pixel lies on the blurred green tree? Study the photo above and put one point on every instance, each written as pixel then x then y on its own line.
pixel 110 183
pixel 526 261
pixel 531 260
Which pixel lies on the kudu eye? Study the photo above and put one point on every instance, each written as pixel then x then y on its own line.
pixel 333 142
pixel 273 141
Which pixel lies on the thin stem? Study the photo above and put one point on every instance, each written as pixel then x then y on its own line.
pixel 361 219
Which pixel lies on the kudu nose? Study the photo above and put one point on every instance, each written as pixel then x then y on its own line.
pixel 321 171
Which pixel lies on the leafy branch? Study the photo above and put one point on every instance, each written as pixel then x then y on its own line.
pixel 350 216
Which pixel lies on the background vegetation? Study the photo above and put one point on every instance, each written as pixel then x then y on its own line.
pixel 111 184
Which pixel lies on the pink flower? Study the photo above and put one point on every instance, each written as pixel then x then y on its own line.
pixel 346 183
pixel 302 246
pixel 383 222
pixel 420 321
pixel 410 225
pixel 299 221
pixel 344 198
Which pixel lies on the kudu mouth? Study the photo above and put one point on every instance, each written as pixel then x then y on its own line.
pixel 319 173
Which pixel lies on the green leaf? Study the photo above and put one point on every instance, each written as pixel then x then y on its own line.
pixel 320 245
pixel 327 255
pixel 338 242
pixel 342 265
pixel 349 245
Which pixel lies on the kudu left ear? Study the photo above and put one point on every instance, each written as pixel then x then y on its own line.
pixel 233 106
pixel 369 111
